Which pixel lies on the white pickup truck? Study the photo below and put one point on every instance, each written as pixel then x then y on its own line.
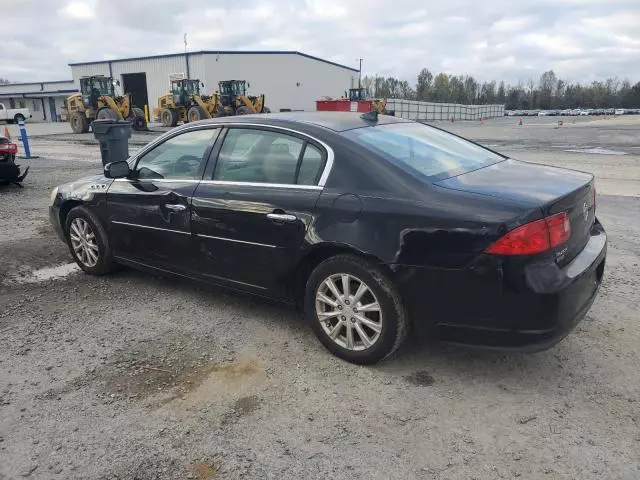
pixel 12 115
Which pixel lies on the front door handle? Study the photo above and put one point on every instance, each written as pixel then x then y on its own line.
pixel 176 207
pixel 282 217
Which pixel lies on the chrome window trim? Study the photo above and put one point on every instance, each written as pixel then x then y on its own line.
pixel 171 133
pixel 292 186
pixel 224 182
pixel 150 228
pixel 159 180
pixel 201 235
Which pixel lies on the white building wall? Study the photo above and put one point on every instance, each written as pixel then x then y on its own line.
pixel 31 95
pixel 157 72
pixel 288 81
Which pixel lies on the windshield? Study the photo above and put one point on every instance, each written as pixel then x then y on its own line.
pixel 232 88
pixel 430 152
pixel 103 85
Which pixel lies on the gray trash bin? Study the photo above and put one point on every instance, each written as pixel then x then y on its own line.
pixel 113 136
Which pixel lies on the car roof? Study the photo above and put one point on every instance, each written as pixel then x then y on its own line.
pixel 336 121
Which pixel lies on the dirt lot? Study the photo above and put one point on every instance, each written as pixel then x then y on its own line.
pixel 137 377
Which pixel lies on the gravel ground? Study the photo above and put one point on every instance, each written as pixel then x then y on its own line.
pixel 133 376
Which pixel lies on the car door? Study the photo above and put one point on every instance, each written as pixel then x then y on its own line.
pixel 251 217
pixel 150 212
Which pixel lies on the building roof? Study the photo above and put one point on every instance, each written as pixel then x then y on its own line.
pixel 38 89
pixel 49 82
pixel 218 52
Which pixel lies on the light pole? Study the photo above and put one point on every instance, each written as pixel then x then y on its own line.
pixel 360 74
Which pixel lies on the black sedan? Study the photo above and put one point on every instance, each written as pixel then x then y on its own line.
pixel 371 224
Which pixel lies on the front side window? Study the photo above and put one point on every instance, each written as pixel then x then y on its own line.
pixel 425 150
pixel 262 156
pixel 180 157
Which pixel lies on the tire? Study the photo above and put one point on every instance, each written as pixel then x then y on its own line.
pixel 390 320
pixel 106 114
pixel 196 113
pixel 169 117
pixel 18 117
pixel 138 120
pixel 96 239
pixel 79 122
pixel 242 110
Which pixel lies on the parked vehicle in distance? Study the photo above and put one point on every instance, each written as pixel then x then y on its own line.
pixel 13 115
pixel 585 112
pixel 9 170
pixel 609 111
pixel 543 113
pixel 575 112
pixel 372 224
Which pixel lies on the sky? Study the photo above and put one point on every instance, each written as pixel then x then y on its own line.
pixel 511 40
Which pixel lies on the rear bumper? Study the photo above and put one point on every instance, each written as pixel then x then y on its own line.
pixel 533 315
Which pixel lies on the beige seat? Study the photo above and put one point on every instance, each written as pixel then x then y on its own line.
pixel 278 165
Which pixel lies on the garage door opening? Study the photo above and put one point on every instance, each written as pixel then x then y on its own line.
pixel 136 85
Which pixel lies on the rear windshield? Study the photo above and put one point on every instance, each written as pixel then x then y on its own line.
pixel 425 150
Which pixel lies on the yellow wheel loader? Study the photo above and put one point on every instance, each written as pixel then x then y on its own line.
pixel 185 104
pixel 97 101
pixel 235 101
pixel 377 105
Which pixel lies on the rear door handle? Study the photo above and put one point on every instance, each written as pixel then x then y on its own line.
pixel 176 207
pixel 282 217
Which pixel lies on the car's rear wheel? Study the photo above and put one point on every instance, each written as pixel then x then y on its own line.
pixel 354 309
pixel 88 242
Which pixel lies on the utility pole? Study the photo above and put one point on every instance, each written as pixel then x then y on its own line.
pixel 360 74
pixel 185 43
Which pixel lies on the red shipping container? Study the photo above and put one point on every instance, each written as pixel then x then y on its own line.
pixel 362 106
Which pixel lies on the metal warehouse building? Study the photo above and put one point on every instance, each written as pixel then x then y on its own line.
pixel 288 79
pixel 44 99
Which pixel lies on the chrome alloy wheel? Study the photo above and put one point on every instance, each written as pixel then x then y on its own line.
pixel 349 311
pixel 83 242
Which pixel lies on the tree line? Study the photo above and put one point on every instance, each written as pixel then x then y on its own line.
pixel 550 92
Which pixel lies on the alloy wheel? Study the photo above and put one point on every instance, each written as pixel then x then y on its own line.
pixel 349 311
pixel 83 242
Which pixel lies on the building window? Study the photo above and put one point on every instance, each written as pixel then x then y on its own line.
pixel 36 106
pixel 22 104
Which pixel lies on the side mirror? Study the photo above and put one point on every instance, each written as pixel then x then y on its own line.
pixel 118 82
pixel 117 170
pixel 248 85
pixel 202 84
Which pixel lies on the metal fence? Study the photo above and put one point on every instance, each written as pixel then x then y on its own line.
pixel 414 110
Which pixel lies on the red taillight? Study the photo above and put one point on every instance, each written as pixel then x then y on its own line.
pixel 8 148
pixel 535 237
pixel 559 228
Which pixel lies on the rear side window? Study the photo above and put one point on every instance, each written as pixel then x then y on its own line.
pixel 427 151
pixel 265 156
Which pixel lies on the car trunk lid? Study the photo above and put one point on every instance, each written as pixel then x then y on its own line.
pixel 552 190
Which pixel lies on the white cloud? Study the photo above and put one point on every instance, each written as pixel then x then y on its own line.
pixel 77 10
pixel 499 39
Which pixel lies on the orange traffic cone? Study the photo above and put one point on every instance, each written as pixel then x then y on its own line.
pixel 6 132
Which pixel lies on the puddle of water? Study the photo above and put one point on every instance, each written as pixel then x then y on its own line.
pixel 50 273
pixel 596 151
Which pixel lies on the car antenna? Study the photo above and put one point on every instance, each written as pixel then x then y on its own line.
pixel 371 116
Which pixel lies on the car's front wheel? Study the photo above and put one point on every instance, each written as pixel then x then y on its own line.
pixel 355 310
pixel 88 242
